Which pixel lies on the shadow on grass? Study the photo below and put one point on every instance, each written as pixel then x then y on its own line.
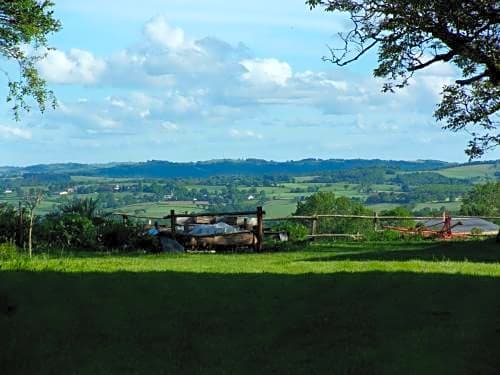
pixel 168 322
pixel 487 251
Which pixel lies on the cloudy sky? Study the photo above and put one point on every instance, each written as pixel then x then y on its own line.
pixel 195 80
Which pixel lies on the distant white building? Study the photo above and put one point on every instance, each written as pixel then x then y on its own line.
pixel 116 188
pixel 8 191
pixel 251 198
pixel 63 193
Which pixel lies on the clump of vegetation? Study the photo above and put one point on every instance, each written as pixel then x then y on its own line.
pixel 484 200
pixel 402 212
pixel 296 231
pixel 476 231
pixel 76 225
pixel 68 231
pixel 8 250
pixel 326 203
pixel 8 223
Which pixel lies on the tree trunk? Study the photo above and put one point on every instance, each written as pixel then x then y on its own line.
pixel 30 231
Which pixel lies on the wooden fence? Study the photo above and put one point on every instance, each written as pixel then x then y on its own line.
pixel 375 218
pixel 313 219
pixel 258 213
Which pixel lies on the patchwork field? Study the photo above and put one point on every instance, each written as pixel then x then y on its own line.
pixel 485 171
pixel 377 308
pixel 280 198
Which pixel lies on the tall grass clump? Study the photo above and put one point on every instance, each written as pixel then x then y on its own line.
pixel 8 250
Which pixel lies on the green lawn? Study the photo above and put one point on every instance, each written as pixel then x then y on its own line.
pixel 358 308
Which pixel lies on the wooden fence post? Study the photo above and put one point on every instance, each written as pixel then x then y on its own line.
pixel 173 223
pixel 260 228
pixel 375 221
pixel 314 225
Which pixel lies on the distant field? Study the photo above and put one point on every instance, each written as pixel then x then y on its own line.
pixel 342 308
pixel 451 206
pixel 158 209
pixel 43 208
pixel 378 207
pixel 92 179
pixel 486 171
pixel 280 208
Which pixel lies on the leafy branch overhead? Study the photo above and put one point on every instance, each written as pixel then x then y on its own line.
pixel 412 35
pixel 24 28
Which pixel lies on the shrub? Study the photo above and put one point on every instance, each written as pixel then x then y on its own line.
pixel 120 236
pixel 67 231
pixel 8 251
pixel 476 231
pixel 85 207
pixel 8 223
pixel 399 212
pixel 329 203
pixel 296 231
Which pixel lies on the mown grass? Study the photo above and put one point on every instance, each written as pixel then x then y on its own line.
pixel 367 308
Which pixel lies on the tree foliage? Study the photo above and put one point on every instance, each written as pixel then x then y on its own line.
pixel 24 28
pixel 484 200
pixel 326 203
pixel 412 35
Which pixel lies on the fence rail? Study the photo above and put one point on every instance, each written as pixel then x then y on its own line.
pixel 315 217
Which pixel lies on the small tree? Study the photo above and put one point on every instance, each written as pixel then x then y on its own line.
pixel 32 202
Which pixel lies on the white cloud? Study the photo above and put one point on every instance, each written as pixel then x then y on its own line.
pixel 169 79
pixel 8 132
pixel 159 32
pixel 241 134
pixel 263 71
pixel 76 66
pixel 170 126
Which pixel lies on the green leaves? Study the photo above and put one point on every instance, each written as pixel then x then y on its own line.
pixel 483 200
pixel 24 28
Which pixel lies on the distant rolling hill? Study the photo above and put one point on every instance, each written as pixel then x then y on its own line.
pixel 251 167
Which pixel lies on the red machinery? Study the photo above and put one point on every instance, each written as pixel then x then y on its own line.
pixel 445 232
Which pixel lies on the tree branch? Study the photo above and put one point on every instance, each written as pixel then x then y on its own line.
pixel 442 57
pixel 472 79
pixel 338 61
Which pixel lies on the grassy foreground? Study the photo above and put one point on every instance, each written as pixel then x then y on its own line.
pixel 371 308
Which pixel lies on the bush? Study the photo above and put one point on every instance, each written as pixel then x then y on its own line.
pixel 399 212
pixel 296 231
pixel 67 231
pixel 329 203
pixel 8 251
pixel 476 231
pixel 8 223
pixel 118 236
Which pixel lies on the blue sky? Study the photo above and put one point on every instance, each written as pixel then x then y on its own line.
pixel 195 80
